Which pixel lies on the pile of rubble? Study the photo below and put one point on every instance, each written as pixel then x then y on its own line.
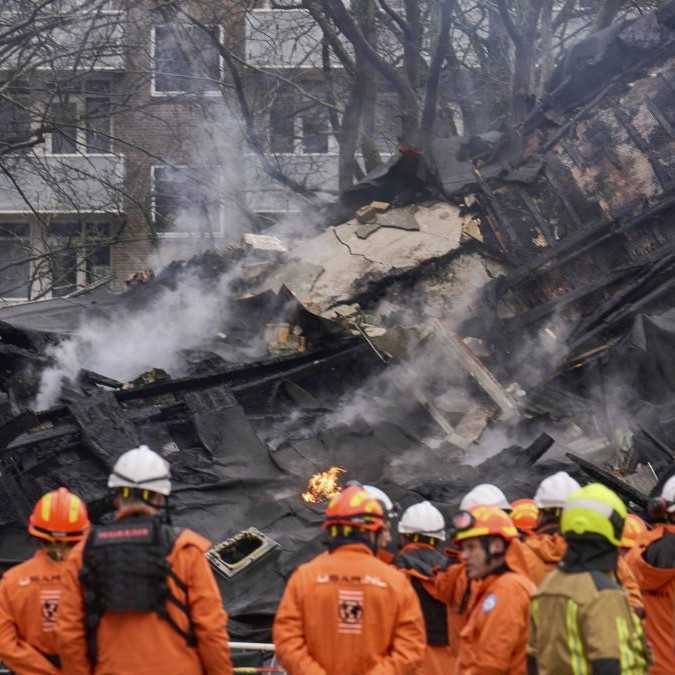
pixel 482 315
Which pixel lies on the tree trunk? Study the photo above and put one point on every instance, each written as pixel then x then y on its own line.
pixel 525 40
pixel 441 53
pixel 607 14
pixel 495 85
pixel 546 47
pixel 349 136
pixel 365 13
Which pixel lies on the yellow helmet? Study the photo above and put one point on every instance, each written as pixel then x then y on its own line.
pixel 594 509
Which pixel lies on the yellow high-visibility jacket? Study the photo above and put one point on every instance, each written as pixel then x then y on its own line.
pixel 581 624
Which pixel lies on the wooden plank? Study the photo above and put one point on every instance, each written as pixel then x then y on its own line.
pixel 460 353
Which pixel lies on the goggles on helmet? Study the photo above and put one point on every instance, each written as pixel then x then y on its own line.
pixel 463 521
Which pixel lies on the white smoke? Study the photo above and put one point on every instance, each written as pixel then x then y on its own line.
pixel 131 342
pixel 66 368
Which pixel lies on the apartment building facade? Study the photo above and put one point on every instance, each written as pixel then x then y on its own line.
pixel 122 140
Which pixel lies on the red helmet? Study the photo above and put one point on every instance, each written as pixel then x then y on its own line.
pixel 357 507
pixel 484 521
pixel 59 516
pixel 633 530
pixel 525 514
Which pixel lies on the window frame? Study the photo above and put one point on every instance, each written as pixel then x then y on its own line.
pixel 298 136
pixel 81 129
pixel 81 253
pixel 12 299
pixel 154 93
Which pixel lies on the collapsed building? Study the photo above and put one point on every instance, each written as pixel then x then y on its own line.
pixel 493 313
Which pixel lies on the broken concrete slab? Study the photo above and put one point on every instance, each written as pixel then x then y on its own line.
pixel 297 275
pixel 264 242
pixel 366 214
pixel 365 231
pixel 402 219
pixel 350 264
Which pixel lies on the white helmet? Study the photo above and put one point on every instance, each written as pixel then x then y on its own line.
pixel 553 491
pixel 141 469
pixel 381 497
pixel 668 493
pixel 484 494
pixel 423 518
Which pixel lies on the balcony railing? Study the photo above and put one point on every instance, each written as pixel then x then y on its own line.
pixel 62 184
pixel 319 172
pixel 282 38
pixel 86 42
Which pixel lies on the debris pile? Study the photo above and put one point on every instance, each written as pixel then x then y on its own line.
pixel 476 316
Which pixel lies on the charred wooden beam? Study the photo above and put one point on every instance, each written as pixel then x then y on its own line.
pixel 628 492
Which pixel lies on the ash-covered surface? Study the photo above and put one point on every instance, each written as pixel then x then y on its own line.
pixel 242 437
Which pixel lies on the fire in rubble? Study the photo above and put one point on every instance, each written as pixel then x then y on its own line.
pixel 324 485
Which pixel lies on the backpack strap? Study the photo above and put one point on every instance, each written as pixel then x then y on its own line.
pixel 171 535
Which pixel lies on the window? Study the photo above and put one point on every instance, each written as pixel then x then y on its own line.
pixel 185 60
pixel 98 132
pixel 15 260
pixel 64 139
pixel 80 255
pixel 298 128
pixel 282 127
pixel 315 130
pixel 182 203
pixel 15 118
pixel 83 120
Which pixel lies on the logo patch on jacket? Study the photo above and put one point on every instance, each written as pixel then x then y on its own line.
pixel 350 612
pixel 489 603
pixel 50 607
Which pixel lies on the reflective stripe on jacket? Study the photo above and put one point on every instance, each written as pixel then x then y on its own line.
pixel 582 624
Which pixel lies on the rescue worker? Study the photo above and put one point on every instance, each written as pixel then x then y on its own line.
pixel 525 516
pixel 346 612
pixel 30 592
pixel 453 586
pixel 139 595
pixel 653 564
pixel 634 532
pixel 485 494
pixel 494 639
pixel 581 621
pixel 387 544
pixel 546 543
pixel 549 546
pixel 422 530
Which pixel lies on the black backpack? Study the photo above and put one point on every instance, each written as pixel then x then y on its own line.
pixel 125 569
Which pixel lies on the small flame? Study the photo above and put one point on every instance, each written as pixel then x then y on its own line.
pixel 324 485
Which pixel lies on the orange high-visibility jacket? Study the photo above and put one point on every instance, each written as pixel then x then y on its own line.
pixel 549 549
pixel 438 659
pixel 455 588
pixel 348 613
pixel 494 639
pixel 29 602
pixel 658 591
pixel 142 643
